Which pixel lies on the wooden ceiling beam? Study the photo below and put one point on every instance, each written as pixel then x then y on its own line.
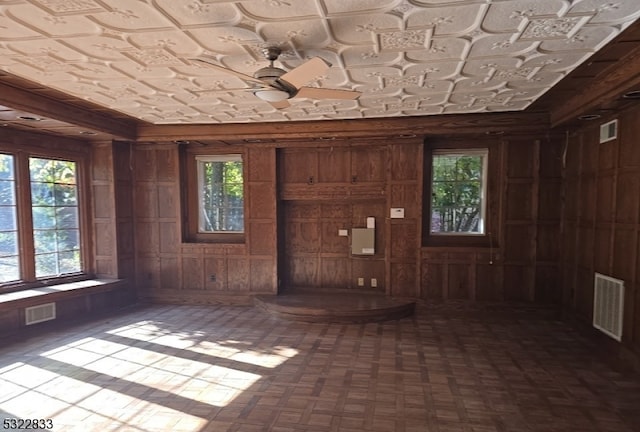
pixel 24 100
pixel 609 84
pixel 516 122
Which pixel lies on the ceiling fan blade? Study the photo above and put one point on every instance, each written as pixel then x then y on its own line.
pixel 280 104
pixel 323 93
pixel 230 71
pixel 306 72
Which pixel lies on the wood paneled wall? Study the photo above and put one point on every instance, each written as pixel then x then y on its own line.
pixel 112 209
pixel 520 262
pixel 601 222
pixel 320 188
pixel 171 270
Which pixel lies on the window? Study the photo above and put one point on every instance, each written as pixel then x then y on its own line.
pixel 54 207
pixel 458 189
pixel 40 233
pixel 9 258
pixel 221 194
pixel 215 197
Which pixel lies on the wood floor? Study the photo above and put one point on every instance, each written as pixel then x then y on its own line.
pixel 449 368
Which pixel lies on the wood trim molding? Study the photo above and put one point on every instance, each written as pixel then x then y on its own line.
pixel 24 100
pixel 614 81
pixel 517 122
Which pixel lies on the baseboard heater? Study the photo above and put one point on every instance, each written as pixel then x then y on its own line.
pixel 608 305
pixel 40 313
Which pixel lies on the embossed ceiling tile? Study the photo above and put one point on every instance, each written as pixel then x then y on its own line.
pixel 499 46
pixel 538 80
pixel 486 68
pixel 335 8
pixel 558 63
pixel 97 72
pixel 479 84
pixel 207 84
pixel 372 75
pixel 374 91
pixel 609 12
pixel 508 106
pixel 427 102
pixel 442 49
pixel 225 40
pixel 197 13
pixel 99 47
pixel 11 30
pixel 448 20
pixel 589 38
pixel 524 95
pixel 430 86
pixel 66 7
pixel 40 68
pixel 367 57
pixel 173 41
pixel 129 16
pixel 47 47
pixel 379 101
pixel 361 29
pixel 51 25
pixel 307 33
pixel 512 16
pixel 141 73
pixel 436 70
pixel 279 10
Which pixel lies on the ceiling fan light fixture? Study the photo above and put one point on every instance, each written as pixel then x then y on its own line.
pixel 272 95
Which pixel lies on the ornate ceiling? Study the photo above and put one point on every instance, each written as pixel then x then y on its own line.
pixel 407 57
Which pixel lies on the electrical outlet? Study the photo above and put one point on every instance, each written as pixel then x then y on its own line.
pixel 374 282
pixel 360 281
pixel 212 278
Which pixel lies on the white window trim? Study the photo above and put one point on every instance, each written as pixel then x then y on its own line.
pixel 484 153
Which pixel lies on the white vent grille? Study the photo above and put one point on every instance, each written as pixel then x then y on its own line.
pixel 40 313
pixel 608 305
pixel 608 131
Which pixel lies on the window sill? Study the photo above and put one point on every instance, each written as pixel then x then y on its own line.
pixel 33 296
pixel 480 241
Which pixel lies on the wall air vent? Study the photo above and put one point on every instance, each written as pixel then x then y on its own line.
pixel 40 313
pixel 608 305
pixel 608 131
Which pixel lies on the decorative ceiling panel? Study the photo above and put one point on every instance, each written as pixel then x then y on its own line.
pixel 406 57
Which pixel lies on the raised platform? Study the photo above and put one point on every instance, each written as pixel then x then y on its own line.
pixel 335 307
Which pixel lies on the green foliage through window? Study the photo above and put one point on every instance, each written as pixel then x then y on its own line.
pixel 221 194
pixel 9 262
pixel 457 192
pixel 56 229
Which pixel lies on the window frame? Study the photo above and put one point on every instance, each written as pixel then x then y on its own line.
pixel 491 193
pixel 191 196
pixel 484 153
pixel 24 215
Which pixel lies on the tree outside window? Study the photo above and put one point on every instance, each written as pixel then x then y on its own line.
pixel 458 179
pixel 221 194
pixel 54 204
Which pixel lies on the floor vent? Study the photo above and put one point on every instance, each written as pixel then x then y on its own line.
pixel 40 313
pixel 608 131
pixel 608 305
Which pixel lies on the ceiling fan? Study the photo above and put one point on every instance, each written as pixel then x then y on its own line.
pixel 275 85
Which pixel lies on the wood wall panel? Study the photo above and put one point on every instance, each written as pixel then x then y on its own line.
pixel 403 279
pixel 261 238
pixel 183 270
pixel 432 281
pixel 604 187
pixel 627 185
pixel 489 282
pixel 459 282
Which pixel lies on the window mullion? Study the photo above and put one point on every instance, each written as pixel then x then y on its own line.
pixel 25 218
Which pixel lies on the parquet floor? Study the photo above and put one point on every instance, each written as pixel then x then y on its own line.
pixel 450 368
